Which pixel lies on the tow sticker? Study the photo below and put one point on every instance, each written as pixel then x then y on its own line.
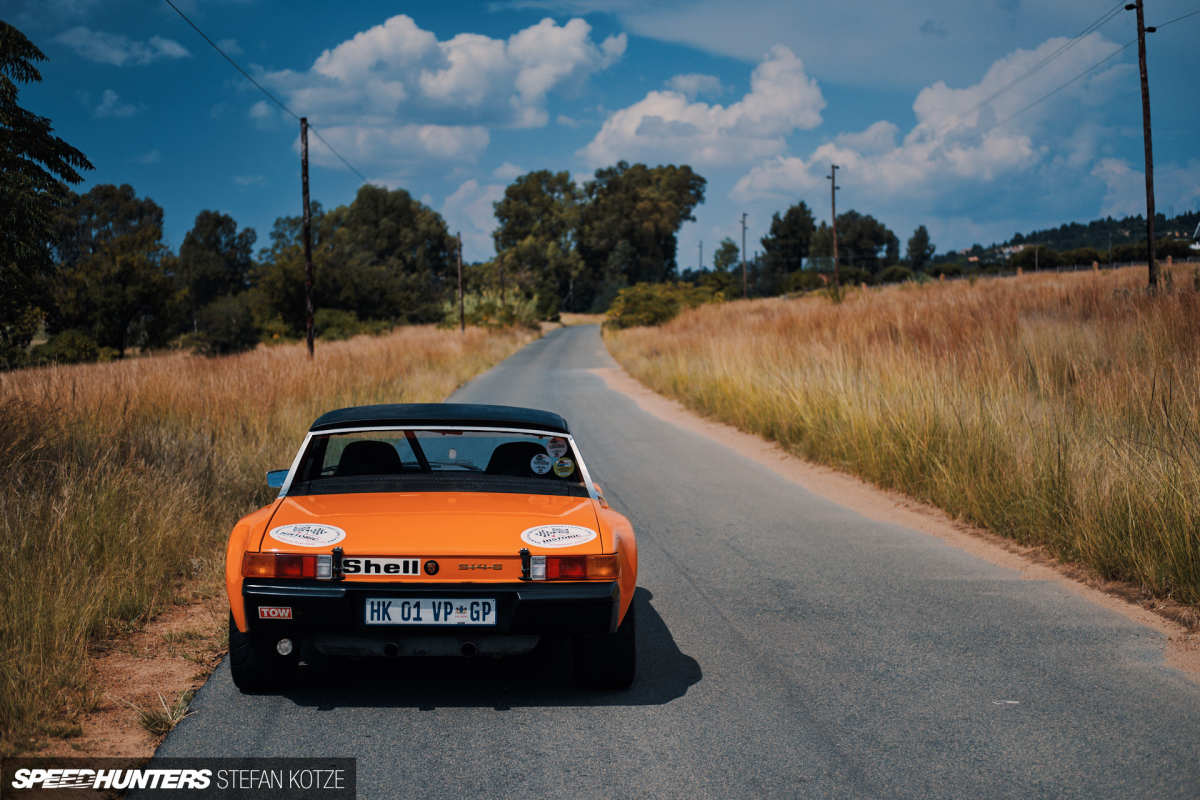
pixel 540 463
pixel 557 447
pixel 564 467
pixel 308 535
pixel 557 535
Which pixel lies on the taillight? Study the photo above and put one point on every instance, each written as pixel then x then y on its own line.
pixel 573 568
pixel 286 565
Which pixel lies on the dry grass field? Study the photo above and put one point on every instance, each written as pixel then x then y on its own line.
pixel 122 480
pixel 1059 410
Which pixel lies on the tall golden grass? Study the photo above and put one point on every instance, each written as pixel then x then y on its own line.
pixel 122 480
pixel 1061 410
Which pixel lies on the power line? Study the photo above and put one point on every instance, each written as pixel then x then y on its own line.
pixel 1091 28
pixel 1062 86
pixel 1178 19
pixel 1092 68
pixel 262 88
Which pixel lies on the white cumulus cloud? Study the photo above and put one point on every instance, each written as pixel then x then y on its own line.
pixel 118 50
pixel 971 135
pixel 111 106
pixel 695 85
pixel 668 124
pixel 507 171
pixel 396 85
pixel 469 78
pixel 470 209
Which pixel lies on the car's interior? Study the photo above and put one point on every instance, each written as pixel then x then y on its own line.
pixel 425 452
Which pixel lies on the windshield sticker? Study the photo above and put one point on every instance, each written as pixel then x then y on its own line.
pixel 557 447
pixel 540 463
pixel 308 535
pixel 564 467
pixel 557 535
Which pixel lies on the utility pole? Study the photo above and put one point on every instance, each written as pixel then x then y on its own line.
pixel 308 265
pixel 1142 30
pixel 462 320
pixel 833 187
pixel 701 255
pixel 745 293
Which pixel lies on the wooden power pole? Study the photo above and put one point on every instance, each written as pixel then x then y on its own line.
pixel 1142 30
pixel 745 293
pixel 462 320
pixel 833 187
pixel 308 265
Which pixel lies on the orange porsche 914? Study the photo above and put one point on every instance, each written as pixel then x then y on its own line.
pixel 432 530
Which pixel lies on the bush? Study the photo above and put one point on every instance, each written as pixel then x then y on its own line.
pixel 490 309
pixel 949 270
pixel 852 275
pixel 335 323
pixel 226 325
pixel 805 280
pixel 66 347
pixel 894 274
pixel 656 303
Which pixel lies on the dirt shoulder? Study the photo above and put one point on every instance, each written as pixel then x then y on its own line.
pixel 141 681
pixel 1179 624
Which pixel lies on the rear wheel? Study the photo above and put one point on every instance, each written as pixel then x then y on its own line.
pixel 608 660
pixel 255 665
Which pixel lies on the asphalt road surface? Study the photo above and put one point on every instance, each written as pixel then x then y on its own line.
pixel 788 648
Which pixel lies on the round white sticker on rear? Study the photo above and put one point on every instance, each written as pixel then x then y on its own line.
pixel 540 463
pixel 308 535
pixel 557 535
pixel 557 447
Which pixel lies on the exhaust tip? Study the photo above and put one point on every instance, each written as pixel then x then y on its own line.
pixel 469 649
pixel 391 650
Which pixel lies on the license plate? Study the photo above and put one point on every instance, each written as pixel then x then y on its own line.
pixel 430 611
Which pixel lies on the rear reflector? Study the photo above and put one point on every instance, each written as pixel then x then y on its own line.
pixel 286 565
pixel 573 568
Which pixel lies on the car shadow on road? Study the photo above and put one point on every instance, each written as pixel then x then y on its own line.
pixel 542 678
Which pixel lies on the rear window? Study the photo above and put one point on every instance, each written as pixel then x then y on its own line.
pixel 444 459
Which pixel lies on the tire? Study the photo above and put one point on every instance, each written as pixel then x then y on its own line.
pixel 255 665
pixel 608 660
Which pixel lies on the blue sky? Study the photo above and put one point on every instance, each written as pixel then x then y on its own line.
pixel 925 105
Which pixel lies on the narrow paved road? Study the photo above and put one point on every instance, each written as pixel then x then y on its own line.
pixel 790 648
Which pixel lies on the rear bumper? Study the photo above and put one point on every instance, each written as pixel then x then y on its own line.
pixel 321 611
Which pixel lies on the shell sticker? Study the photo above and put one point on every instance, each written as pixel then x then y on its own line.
pixel 564 467
pixel 557 447
pixel 308 534
pixel 540 463
pixel 557 535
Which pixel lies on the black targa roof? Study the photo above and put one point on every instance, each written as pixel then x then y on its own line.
pixel 449 414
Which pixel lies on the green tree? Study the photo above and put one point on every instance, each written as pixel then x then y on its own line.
pixel 786 246
pixel 640 205
pixel 215 259
pixel 385 257
pixel 535 240
pixel 920 249
pixel 111 282
pixel 34 163
pixel 727 255
pixel 863 242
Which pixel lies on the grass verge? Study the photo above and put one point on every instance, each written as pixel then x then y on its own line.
pixel 123 480
pixel 1058 410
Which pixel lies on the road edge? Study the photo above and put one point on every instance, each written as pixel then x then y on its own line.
pixel 1181 649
